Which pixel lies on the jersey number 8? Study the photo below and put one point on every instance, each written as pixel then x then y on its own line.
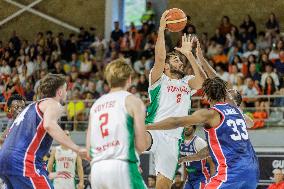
pixel 239 128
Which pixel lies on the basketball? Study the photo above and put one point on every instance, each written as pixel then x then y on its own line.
pixel 177 21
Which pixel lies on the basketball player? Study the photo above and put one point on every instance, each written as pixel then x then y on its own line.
pixel 31 136
pixel 116 131
pixel 227 136
pixel 62 164
pixel 204 153
pixel 197 171
pixel 170 95
pixel 16 103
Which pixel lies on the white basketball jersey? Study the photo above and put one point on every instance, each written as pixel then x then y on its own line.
pixel 112 129
pixel 169 98
pixel 65 160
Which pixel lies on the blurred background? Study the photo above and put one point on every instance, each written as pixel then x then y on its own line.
pixel 242 40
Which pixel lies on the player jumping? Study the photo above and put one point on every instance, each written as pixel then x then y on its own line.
pixel 170 93
pixel 227 136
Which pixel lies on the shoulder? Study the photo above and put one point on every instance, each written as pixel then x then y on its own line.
pixel 50 104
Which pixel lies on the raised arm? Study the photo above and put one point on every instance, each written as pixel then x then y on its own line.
pixel 52 111
pixel 136 109
pixel 197 118
pixel 211 73
pixel 186 49
pixel 160 51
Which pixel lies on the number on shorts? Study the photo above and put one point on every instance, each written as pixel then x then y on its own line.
pixel 104 121
pixel 239 133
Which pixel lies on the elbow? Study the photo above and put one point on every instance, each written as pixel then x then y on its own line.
pixel 141 146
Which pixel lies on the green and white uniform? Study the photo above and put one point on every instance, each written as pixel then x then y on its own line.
pixel 168 98
pixel 65 160
pixel 112 144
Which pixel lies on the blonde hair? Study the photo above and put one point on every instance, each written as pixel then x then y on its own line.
pixel 117 72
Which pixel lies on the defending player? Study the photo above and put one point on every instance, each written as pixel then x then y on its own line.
pixel 227 136
pixel 116 131
pixel 170 93
pixel 62 166
pixel 31 136
pixel 197 171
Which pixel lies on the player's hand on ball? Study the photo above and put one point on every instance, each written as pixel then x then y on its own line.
pixel 163 20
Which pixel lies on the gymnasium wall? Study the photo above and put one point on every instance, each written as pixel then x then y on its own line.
pixel 78 13
pixel 206 14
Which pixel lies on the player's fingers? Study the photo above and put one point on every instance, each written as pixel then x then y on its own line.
pixel 164 15
pixel 178 49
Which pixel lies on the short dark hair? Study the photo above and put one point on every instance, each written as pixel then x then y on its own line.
pixel 152 176
pixel 215 89
pixel 50 84
pixel 178 173
pixel 15 97
pixel 174 53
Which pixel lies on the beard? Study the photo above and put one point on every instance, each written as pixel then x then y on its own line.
pixel 188 133
pixel 179 73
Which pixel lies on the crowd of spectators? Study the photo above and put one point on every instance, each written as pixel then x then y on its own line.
pixel 251 60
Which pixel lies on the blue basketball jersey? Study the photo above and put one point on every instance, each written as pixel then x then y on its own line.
pixel 196 170
pixel 231 149
pixel 26 144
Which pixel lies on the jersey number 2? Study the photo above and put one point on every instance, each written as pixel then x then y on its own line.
pixel 103 123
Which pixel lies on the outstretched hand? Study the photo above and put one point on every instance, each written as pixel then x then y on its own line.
pixel 186 45
pixel 199 53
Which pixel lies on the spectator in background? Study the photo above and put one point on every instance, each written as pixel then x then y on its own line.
pixel 86 65
pixel 269 72
pixel 225 26
pixel 40 64
pixel 151 184
pixel 117 33
pixel 220 57
pixel 30 66
pixel 140 65
pixel 75 108
pixel 71 46
pixel 276 48
pixel 235 73
pixel 249 28
pixel 272 25
pixel 278 179
pixel 218 37
pixel 178 183
pixel 251 50
pixel 29 93
pixel 263 41
pixel 15 41
pixel 5 69
pixel 279 65
pixel 189 27
pixel 143 84
pixel 74 61
pixel 269 87
pixel 222 73
pixel 250 92
pixel 239 86
pixel 149 14
pixel 253 73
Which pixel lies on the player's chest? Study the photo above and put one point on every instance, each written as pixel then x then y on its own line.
pixel 187 149
pixel 175 93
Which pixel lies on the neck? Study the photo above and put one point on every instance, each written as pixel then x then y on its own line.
pixel 64 147
pixel 189 137
pixel 118 89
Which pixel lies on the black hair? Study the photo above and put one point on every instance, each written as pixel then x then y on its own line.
pixel 215 89
pixel 15 97
pixel 178 173
pixel 152 176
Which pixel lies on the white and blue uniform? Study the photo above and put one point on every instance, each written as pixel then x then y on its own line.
pixel 197 171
